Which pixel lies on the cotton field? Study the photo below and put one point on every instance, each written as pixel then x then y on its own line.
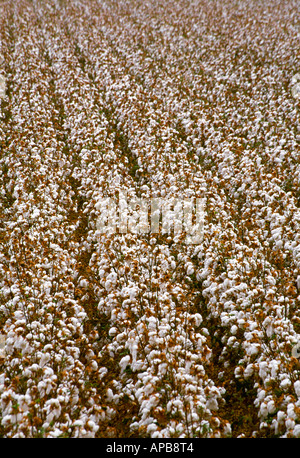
pixel 128 333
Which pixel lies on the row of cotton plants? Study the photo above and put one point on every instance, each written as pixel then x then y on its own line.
pixel 123 334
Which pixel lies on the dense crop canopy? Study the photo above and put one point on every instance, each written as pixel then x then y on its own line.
pixel 130 333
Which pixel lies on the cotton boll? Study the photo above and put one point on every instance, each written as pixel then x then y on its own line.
pixel 124 363
pixel 261 395
pixel 296 431
pixel 295 79
pixel 233 329
pixel 212 404
pixel 2 345
pixel 263 411
pixel 253 349
pixel 249 371
pixel 285 384
pixel 297 388
pixel 198 319
pixel 296 91
pixel 190 269
pixel 290 423
pixel 152 428
pixel 94 365
pixel 113 331
pixel 271 406
pixel 291 411
pixel 2 86
pixel 110 395
pixel 231 341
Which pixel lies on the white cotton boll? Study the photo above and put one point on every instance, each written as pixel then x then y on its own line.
pixel 271 280
pixel 296 431
pixel 253 349
pixel 94 365
pixel 295 79
pixel 6 420
pixel 261 395
pixel 151 428
pixel 281 416
pixel 19 315
pixel 198 319
pixel 263 370
pixel 231 341
pixel 2 342
pixel 238 372
pixel 263 411
pixel 249 370
pixel 108 285
pixel 56 433
pixel 124 363
pixel 296 350
pixel 225 319
pixel 45 357
pixel 190 269
pixel 212 404
pixel 102 372
pixel 271 406
pixel 152 323
pixel 101 273
pixel 2 86
pixel 113 331
pixel 173 265
pixel 297 388
pixel 296 91
pixel 109 395
pixel 92 426
pixel 15 300
pixel 203 274
pixel 252 326
pixel 83 283
pixel 233 329
pixel 42 387
pixel 274 368
pixel 35 214
pixel 289 424
pixel 285 384
pixel 112 277
pixel 291 411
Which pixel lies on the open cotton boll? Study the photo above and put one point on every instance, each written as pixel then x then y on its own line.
pixel 124 363
pixel 2 86
pixel 285 383
pixel 296 91
pixel 296 431
pixel 295 82
pixel 295 79
pixel 2 345
pixel 297 388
